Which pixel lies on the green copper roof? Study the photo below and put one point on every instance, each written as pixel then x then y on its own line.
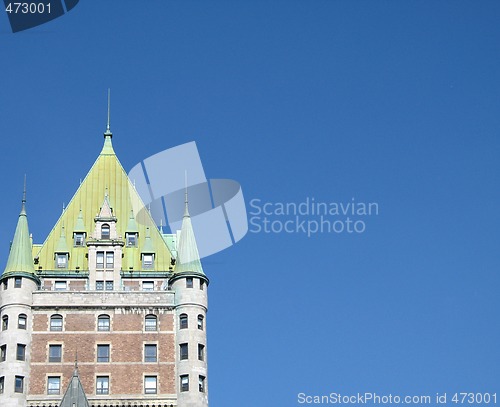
pixel 79 225
pixel 188 258
pixel 132 224
pixel 148 244
pixel 106 177
pixel 20 256
pixel 62 247
pixel 75 395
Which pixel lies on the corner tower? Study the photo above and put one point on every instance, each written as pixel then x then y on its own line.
pixel 190 285
pixel 17 284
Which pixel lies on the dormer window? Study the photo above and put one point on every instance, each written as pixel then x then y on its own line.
pixel 105 234
pixel 147 261
pixel 79 239
pixel 131 239
pixel 61 260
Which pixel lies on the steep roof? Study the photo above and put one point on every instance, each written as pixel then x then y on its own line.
pixel 75 395
pixel 20 256
pixel 188 257
pixel 108 181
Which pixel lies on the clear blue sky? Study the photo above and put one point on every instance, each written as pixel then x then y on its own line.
pixel 394 102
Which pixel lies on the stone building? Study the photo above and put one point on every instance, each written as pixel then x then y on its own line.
pixel 108 310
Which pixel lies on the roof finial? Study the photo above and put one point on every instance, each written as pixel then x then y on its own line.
pixel 186 212
pixel 23 205
pixel 76 362
pixel 108 129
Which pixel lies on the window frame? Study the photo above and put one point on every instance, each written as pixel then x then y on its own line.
pixel 105 231
pixel 104 357
pixel 201 352
pixel 201 384
pixel 184 351
pixel 55 318
pixel 18 282
pixel 104 388
pixel 201 322
pixel 22 317
pixel 57 381
pixel 149 389
pixel 3 353
pixel 149 327
pixel 183 321
pixel 21 352
pixel 102 328
pixel 189 282
pixel 5 322
pixel 184 382
pixel 150 358
pixel 19 389
pixel 58 355
pixel 78 239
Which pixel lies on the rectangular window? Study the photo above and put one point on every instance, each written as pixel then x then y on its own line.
pixel 201 352
pixel 19 384
pixel 201 384
pixel 147 261
pixel 79 239
pixel 148 285
pixel 185 382
pixel 110 260
pixel 2 384
pixel 5 323
pixel 18 282
pixel 54 385
pixel 21 322
pixel 183 321
pixel 5 284
pixel 99 285
pixel 103 323
pixel 103 353
pixel 131 239
pixel 102 385
pixel 202 284
pixel 150 323
pixel 109 286
pixel 150 385
pixel 21 352
pixel 61 260
pixel 55 353
pixel 184 354
pixel 100 260
pixel 60 285
pixel 3 353
pixel 189 282
pixel 150 353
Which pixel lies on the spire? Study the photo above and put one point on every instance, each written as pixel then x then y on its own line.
pixel 75 395
pixel 20 256
pixel 132 224
pixel 148 244
pixel 188 257
pixel 79 225
pixel 62 247
pixel 107 149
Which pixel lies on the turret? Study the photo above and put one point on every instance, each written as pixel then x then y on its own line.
pixel 190 285
pixel 17 283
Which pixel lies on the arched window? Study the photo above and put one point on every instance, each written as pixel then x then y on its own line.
pixel 105 231
pixel 200 322
pixel 151 323
pixel 183 321
pixel 21 321
pixel 103 322
pixel 5 322
pixel 56 322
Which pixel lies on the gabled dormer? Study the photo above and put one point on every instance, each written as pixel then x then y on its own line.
pixel 132 231
pixel 105 222
pixel 61 252
pixel 79 232
pixel 148 252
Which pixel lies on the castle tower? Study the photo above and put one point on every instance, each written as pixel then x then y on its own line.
pixel 17 283
pixel 190 286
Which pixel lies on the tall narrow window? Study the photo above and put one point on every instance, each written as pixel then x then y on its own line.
pixel 131 239
pixel 5 284
pixel 56 322
pixel 22 321
pixel 185 382
pixel 184 353
pixel 150 353
pixel 5 323
pixel 150 384
pixel 21 352
pixel 61 260
pixel 202 284
pixel 105 231
pixel 54 385
pixel 3 353
pixel 2 384
pixel 201 352
pixel 183 321
pixel 147 261
pixel 200 322
pixel 19 384
pixel 18 282
pixel 79 239
pixel 189 282
pixel 201 384
pixel 102 385
pixel 110 260
pixel 100 260
pixel 150 323
pixel 103 353
pixel 55 353
pixel 109 286
pixel 103 323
